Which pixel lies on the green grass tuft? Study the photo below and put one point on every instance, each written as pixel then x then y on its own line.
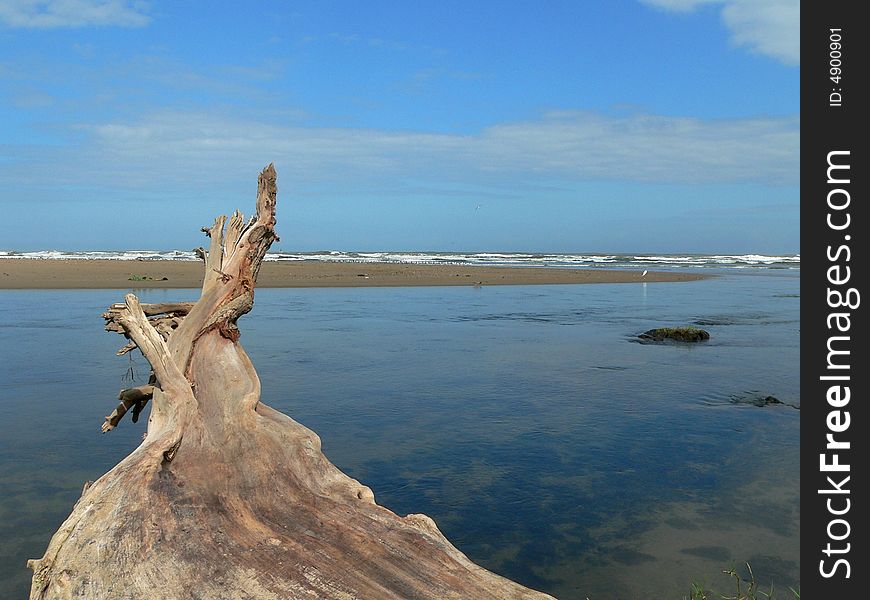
pixel 743 590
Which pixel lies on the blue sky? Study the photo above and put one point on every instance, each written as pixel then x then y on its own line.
pixel 608 126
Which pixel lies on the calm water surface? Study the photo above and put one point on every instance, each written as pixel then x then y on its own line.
pixel 546 443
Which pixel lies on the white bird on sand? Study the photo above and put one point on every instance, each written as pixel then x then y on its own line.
pixel 643 274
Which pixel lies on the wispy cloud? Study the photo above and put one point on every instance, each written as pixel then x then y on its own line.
pixel 422 80
pixel 379 43
pixel 147 82
pixel 47 14
pixel 164 149
pixel 771 27
pixel 681 5
pixel 31 98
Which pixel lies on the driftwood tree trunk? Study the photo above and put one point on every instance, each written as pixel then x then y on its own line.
pixel 226 497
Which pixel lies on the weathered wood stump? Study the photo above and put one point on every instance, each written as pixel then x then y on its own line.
pixel 226 497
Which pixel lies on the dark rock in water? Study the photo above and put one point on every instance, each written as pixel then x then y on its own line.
pixel 759 400
pixel 767 400
pixel 679 334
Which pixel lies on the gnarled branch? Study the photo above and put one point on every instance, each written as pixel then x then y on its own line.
pixel 137 326
pixel 135 398
pixel 165 318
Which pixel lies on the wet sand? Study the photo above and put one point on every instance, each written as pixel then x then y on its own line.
pixel 114 274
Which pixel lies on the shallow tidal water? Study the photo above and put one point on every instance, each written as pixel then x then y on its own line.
pixel 545 442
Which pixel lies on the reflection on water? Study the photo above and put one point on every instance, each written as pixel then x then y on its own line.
pixel 545 445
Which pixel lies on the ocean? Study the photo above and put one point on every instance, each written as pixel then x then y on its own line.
pixel 547 443
pixel 517 259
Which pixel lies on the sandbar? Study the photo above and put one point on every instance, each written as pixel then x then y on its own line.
pixel 138 274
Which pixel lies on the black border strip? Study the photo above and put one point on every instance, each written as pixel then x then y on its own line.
pixel 833 271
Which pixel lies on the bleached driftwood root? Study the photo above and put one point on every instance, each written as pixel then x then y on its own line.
pixel 226 497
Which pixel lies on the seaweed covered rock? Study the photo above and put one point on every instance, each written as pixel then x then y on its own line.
pixel 677 334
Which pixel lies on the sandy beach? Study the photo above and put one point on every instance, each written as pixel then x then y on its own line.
pixel 113 274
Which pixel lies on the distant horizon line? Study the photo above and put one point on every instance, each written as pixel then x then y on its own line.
pixel 430 251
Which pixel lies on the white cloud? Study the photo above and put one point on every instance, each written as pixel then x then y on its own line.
pixel 771 27
pixel 164 150
pixel 72 13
